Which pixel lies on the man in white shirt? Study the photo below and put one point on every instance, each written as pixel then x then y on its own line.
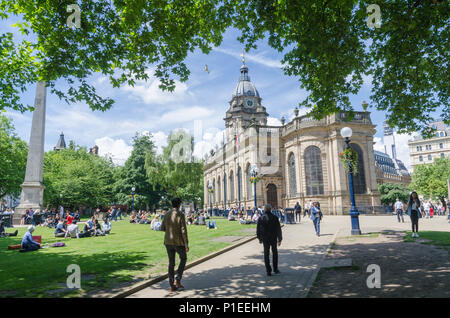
pixel 427 207
pixel 399 209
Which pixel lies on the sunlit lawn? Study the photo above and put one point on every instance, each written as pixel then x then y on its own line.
pixel 433 237
pixel 131 253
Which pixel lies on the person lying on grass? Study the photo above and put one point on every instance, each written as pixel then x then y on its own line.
pixel 3 232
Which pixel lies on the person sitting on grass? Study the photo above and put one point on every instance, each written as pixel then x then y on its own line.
pixel 89 227
pixel 28 244
pixel 61 229
pixel 76 217
pixel 190 218
pixel 243 220
pixel 133 217
pixel 201 219
pixel 231 216
pixel 106 226
pixel 98 229
pixel 255 217
pixel 3 232
pixel 69 218
pixel 156 224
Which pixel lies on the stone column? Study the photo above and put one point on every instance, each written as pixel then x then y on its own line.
pixel 33 187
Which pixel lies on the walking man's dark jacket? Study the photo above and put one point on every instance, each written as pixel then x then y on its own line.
pixel 174 224
pixel 268 229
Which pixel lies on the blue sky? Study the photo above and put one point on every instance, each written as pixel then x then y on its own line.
pixel 204 97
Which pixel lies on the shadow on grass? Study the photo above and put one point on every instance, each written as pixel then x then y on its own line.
pixel 43 274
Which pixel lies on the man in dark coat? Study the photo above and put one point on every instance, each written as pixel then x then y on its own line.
pixel 298 212
pixel 269 234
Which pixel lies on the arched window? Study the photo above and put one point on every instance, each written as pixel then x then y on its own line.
pixel 313 171
pixel 239 176
pixel 225 187
pixel 249 184
pixel 232 185
pixel 292 178
pixel 359 179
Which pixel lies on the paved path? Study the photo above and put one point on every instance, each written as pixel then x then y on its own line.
pixel 241 272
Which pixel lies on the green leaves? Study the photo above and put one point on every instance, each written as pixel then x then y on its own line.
pixel 13 159
pixel 430 180
pixel 81 178
pixel 327 46
pixel 391 191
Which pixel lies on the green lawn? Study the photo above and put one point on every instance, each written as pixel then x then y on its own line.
pixel 130 254
pixel 434 237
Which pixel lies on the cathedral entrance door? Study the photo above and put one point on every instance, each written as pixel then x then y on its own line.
pixel 272 197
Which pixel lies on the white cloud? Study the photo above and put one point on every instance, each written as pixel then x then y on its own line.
pixel 117 149
pixel 150 93
pixel 160 140
pixel 272 121
pixel 257 58
pixel 186 114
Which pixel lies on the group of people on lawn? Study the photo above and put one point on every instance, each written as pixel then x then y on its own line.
pixel 92 227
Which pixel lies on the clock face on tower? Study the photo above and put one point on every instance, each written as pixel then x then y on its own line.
pixel 248 103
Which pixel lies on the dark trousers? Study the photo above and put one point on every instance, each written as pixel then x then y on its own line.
pixel 171 250
pixel 298 216
pixel 267 246
pixel 30 248
pixel 400 213
pixel 415 220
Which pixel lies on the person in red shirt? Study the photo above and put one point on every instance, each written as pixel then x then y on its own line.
pixel 69 219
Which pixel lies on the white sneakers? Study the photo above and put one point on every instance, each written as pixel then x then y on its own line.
pixel 415 234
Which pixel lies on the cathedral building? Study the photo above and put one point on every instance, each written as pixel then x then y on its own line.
pixel 297 161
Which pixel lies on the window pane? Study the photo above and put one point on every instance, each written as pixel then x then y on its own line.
pixel 359 179
pixel 313 171
pixel 292 178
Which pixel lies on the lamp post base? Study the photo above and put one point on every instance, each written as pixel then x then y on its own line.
pixel 355 222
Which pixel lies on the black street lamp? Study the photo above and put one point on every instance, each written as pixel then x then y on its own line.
pixel 254 174
pixel 210 190
pixel 132 202
pixel 346 132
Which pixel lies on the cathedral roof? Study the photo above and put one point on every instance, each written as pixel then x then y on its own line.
pixel 61 143
pixel 244 86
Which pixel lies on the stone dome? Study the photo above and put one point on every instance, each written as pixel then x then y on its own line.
pixel 244 86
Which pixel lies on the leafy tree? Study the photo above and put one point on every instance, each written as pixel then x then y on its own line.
pixel 121 39
pixel 176 170
pixel 13 159
pixel 391 191
pixel 133 174
pixel 430 180
pixel 81 178
pixel 327 45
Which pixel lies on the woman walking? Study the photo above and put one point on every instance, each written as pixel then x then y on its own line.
pixel 316 216
pixel 414 213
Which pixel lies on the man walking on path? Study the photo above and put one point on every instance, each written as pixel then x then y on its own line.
pixel 298 211
pixel 269 234
pixel 399 209
pixel 176 241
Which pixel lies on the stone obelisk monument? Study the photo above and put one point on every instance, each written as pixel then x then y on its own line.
pixel 33 188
